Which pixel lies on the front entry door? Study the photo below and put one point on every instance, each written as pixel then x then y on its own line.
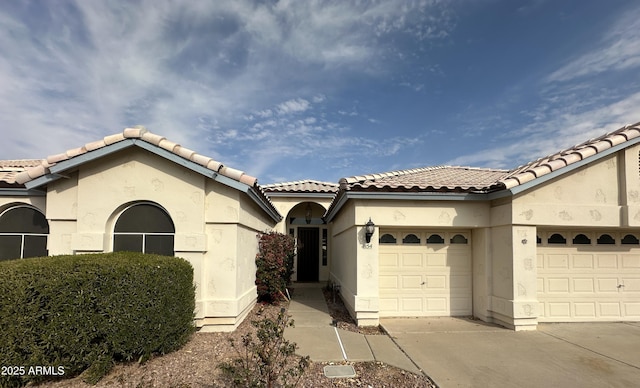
pixel 308 254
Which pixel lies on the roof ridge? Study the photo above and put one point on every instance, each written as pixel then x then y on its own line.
pixel 136 132
pixel 278 184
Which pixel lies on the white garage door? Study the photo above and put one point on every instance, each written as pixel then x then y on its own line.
pixel 589 277
pixel 425 273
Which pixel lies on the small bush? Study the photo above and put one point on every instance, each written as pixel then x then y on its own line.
pixel 85 312
pixel 267 361
pixel 274 263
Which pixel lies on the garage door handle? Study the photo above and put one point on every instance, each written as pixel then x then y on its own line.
pixel 620 285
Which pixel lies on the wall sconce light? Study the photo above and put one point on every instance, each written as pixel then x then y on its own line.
pixel 369 228
pixel 308 214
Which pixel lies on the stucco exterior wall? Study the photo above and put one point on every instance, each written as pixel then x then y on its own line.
pixel 215 225
pixel 588 196
pixel 392 213
pixel 10 201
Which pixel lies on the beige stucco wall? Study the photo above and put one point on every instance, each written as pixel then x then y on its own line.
pixel 215 225
pixel 588 196
pixel 11 201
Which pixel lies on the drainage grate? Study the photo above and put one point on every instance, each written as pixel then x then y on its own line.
pixel 335 371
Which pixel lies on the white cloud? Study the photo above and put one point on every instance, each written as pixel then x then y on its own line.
pixel 618 50
pixel 79 70
pixel 293 106
pixel 556 132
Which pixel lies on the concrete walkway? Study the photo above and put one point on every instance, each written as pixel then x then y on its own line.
pixel 322 342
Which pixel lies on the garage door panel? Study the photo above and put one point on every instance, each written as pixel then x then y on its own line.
pixel 581 285
pixel 437 260
pixel 607 261
pixel 425 279
pixel 555 285
pixel 410 260
pixel 585 309
pixel 460 281
pixel 632 309
pixel 555 261
pixel 610 310
pixel 437 306
pixel 631 284
pixel 631 261
pixel 436 282
pixel 607 285
pixel 588 283
pixel 388 282
pixel 411 282
pixel 559 309
pixel 412 305
pixel 582 261
pixel 389 260
pixel 389 304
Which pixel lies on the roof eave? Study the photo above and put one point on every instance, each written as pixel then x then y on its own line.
pixel 21 192
pixel 573 166
pixel 344 196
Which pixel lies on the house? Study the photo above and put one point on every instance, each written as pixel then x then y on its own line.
pixel 556 240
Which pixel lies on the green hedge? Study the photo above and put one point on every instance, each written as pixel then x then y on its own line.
pixel 85 312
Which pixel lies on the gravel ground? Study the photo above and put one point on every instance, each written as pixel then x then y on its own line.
pixel 196 364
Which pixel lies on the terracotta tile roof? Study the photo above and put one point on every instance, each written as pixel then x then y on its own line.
pixel 554 162
pixel 438 178
pixel 306 186
pixel 136 133
pixel 10 168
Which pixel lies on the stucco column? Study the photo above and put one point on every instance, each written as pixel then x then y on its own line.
pixel 367 296
pixel 482 290
pixel 514 301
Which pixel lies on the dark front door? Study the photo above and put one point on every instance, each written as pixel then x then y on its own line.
pixel 308 254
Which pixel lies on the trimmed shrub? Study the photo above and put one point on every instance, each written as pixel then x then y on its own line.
pixel 85 312
pixel 274 263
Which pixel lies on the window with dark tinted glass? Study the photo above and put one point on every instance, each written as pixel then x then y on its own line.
pixel 435 239
pixel 581 239
pixel 23 233
pixel 630 240
pixel 387 239
pixel 556 238
pixel 144 228
pixel 458 239
pixel 411 239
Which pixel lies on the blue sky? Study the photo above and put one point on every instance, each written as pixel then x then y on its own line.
pixel 289 90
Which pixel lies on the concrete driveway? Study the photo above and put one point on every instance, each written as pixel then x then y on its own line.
pixel 456 352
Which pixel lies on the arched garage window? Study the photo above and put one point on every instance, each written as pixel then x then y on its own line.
pixel 387 239
pixel 144 228
pixel 23 233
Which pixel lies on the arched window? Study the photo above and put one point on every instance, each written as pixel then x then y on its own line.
pixel 581 239
pixel 411 239
pixel 458 239
pixel 557 238
pixel 23 233
pixel 606 239
pixel 435 239
pixel 630 240
pixel 538 240
pixel 387 239
pixel 144 228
